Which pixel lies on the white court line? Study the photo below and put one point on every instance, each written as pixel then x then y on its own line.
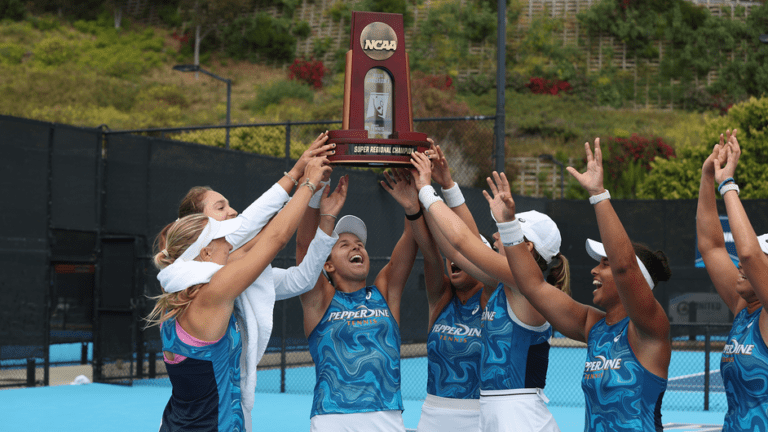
pixel 694 375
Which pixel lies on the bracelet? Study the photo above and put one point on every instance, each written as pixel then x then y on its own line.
pixel 453 196
pixel 295 182
pixel 328 214
pixel 729 187
pixel 511 232
pixel 310 185
pixel 415 216
pixel 594 199
pixel 314 202
pixel 428 196
pixel 723 183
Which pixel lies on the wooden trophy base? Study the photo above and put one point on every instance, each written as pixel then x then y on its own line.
pixel 354 148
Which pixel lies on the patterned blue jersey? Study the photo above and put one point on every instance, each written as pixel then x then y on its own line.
pixel 453 350
pixel 514 355
pixel 206 385
pixel 744 367
pixel 621 395
pixel 356 350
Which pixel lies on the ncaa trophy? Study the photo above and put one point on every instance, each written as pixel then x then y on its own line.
pixel 377 121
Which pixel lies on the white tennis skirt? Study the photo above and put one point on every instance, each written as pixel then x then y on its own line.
pixel 519 410
pixel 439 414
pixel 376 421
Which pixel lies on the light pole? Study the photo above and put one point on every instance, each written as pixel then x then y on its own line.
pixel 197 68
pixel 549 157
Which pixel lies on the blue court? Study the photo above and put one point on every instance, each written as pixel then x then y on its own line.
pixel 98 407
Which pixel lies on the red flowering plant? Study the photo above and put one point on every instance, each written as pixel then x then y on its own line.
pixel 544 86
pixel 626 162
pixel 310 71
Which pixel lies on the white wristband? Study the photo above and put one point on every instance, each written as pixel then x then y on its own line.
pixel 314 202
pixel 453 196
pixel 511 232
pixel 599 197
pixel 428 196
pixel 729 187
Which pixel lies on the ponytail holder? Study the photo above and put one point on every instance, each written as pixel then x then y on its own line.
pixel 165 252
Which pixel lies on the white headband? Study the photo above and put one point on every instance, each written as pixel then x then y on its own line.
pixel 212 231
pixel 596 250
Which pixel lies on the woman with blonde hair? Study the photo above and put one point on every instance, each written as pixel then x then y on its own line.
pixel 200 336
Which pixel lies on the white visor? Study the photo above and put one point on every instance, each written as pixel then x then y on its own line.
pixel 596 250
pixel 212 231
pixel 763 240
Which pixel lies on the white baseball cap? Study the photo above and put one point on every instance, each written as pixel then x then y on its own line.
pixel 212 231
pixel 763 240
pixel 542 231
pixel 353 225
pixel 596 250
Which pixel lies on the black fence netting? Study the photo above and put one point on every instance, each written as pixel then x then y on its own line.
pixel 79 275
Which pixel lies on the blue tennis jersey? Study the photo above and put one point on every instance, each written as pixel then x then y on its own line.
pixel 206 385
pixel 514 355
pixel 356 350
pixel 744 367
pixel 621 395
pixel 453 350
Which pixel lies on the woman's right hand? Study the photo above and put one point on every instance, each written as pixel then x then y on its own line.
pixel 332 204
pixel 502 205
pixel 708 169
pixel 422 175
pixel 318 168
pixel 441 172
pixel 318 148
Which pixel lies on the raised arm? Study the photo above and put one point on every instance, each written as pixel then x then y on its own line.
pixel 753 261
pixel 566 315
pixel 265 207
pixel 441 174
pixel 456 232
pixel 235 277
pixel 400 184
pixel 710 239
pixel 636 296
pixel 303 277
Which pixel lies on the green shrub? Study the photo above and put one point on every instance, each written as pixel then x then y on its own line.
pixel 302 30
pixel 54 51
pixel 679 178
pixel 275 93
pixel 265 140
pixel 11 54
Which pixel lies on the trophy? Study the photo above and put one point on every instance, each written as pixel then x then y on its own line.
pixel 377 122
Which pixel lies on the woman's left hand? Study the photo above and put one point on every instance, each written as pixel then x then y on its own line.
pixel 502 205
pixel 399 184
pixel 422 174
pixel 592 178
pixel 729 155
pixel 318 148
pixel 332 204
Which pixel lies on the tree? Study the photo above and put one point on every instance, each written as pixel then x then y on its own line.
pixel 205 15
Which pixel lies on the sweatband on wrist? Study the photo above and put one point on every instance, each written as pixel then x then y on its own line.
pixel 428 196
pixel 314 202
pixel 724 182
pixel 599 197
pixel 729 187
pixel 414 216
pixel 511 232
pixel 453 196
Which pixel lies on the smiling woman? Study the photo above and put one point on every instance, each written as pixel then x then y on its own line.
pixel 353 329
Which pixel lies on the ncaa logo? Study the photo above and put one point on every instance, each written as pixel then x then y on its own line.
pixel 378 41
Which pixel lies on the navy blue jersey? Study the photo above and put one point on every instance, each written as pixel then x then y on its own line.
pixel 356 350
pixel 621 395
pixel 206 385
pixel 515 355
pixel 453 350
pixel 744 367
